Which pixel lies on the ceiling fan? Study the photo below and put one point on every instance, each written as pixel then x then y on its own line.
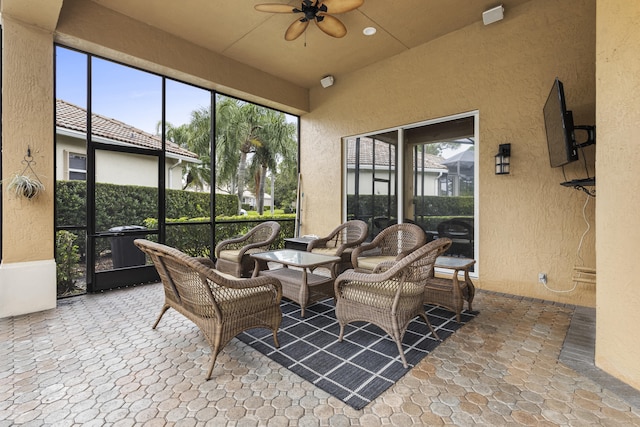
pixel 318 11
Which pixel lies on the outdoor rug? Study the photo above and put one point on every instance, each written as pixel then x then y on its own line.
pixel 364 364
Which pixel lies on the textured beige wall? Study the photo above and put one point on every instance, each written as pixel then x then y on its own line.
pixel 618 119
pixel 528 222
pixel 27 122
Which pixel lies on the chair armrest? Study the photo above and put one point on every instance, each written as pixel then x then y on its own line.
pixel 322 243
pixel 245 248
pixel 207 262
pixel 358 250
pixel 384 266
pixel 254 282
pixel 229 242
pixel 355 244
pixel 317 243
pixel 404 254
pixel 352 275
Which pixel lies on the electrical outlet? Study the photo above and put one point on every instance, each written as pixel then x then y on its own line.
pixel 542 278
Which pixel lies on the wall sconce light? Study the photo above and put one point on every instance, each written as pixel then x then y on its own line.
pixel 503 159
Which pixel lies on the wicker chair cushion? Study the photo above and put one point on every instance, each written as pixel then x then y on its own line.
pixel 381 294
pixel 370 262
pixel 253 300
pixel 230 255
pixel 325 251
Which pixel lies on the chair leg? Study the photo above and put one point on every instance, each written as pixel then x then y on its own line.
pixel 213 362
pixel 404 361
pixel 275 338
pixel 162 312
pixel 433 331
pixel 341 336
pixel 214 355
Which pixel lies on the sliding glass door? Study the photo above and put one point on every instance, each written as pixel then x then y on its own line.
pixel 423 173
pixel 372 182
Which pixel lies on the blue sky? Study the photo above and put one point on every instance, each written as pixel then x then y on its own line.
pixel 124 93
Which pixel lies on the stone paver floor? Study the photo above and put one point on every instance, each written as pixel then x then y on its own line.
pixel 94 360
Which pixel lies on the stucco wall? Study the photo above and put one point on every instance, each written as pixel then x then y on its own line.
pixel 27 122
pixel 528 222
pixel 118 168
pixel 27 272
pixel 618 119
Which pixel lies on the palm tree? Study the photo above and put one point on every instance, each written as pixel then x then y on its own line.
pixel 227 149
pixel 277 144
pixel 244 129
pixel 236 126
pixel 244 132
pixel 195 137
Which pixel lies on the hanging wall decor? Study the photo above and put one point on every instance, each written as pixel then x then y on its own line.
pixel 26 184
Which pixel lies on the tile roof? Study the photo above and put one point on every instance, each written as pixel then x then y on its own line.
pixel 72 117
pixel 382 155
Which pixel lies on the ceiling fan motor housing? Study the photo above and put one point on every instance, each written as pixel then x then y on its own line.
pixel 319 10
pixel 311 10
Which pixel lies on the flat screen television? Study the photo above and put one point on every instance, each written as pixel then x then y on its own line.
pixel 558 123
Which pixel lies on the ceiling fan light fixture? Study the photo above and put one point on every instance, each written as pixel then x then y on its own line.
pixel 369 31
pixel 319 11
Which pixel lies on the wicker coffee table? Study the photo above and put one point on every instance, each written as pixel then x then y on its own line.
pixel 451 293
pixel 299 284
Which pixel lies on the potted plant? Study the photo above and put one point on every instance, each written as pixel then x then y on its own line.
pixel 25 186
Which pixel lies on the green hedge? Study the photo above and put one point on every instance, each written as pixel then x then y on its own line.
pixel 365 205
pixel 432 210
pixel 429 210
pixel 444 206
pixel 131 204
pixel 182 207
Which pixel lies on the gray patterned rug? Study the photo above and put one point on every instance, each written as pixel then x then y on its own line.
pixel 364 364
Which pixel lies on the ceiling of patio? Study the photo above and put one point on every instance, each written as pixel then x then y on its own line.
pixel 233 28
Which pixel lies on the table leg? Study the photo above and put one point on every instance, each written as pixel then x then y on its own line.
pixel 471 289
pixel 304 292
pixel 457 296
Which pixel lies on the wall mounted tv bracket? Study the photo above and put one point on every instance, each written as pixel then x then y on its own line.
pixel 583 183
pixel 591 136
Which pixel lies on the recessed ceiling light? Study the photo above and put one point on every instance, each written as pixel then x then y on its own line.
pixel 369 31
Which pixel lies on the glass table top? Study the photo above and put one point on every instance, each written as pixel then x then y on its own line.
pixel 454 262
pixel 295 258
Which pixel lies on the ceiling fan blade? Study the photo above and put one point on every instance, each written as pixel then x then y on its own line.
pixel 331 26
pixel 274 8
pixel 341 6
pixel 295 29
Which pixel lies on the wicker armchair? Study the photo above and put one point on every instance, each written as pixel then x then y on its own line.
pixel 221 306
pixel 390 297
pixel 234 255
pixel 341 242
pixel 391 244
